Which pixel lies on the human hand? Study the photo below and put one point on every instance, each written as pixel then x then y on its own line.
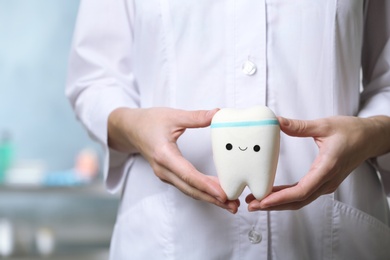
pixel 154 135
pixel 343 142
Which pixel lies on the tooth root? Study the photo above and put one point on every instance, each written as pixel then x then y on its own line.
pixel 233 189
pixel 259 188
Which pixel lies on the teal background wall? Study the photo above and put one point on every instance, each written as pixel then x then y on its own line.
pixel 35 38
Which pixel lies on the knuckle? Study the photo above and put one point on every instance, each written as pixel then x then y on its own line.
pixel 191 193
pixel 186 179
pixel 159 173
pixel 325 126
pixel 301 126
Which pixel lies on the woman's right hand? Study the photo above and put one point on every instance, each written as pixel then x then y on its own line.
pixel 153 132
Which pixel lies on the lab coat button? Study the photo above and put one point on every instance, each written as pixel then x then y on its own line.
pixel 249 68
pixel 254 237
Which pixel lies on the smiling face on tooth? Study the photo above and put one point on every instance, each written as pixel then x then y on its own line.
pixel 245 147
pixel 229 147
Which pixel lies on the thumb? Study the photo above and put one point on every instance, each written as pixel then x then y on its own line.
pixel 298 128
pixel 196 118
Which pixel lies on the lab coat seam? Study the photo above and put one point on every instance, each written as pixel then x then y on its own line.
pixel 301 36
pixel 269 235
pixel 169 51
pixel 333 58
pixel 335 228
pixel 169 248
pixel 235 50
pixel 333 236
pixel 267 43
pixel 330 216
pixel 264 52
pixel 237 228
pixel 130 16
pixel 229 95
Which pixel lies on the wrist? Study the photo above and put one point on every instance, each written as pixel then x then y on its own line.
pixel 380 135
pixel 118 137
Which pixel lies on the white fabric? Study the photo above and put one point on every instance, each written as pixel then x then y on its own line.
pixel 189 54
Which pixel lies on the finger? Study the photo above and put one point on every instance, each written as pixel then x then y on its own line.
pixel 326 188
pixel 194 193
pixel 295 193
pixel 250 197
pixel 238 203
pixel 171 159
pixel 282 187
pixel 300 128
pixel 195 119
pixel 190 175
pixel 310 183
pixel 255 205
pixel 231 206
pixel 214 178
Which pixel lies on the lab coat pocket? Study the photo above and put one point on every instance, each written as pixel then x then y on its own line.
pixel 141 234
pixel 357 235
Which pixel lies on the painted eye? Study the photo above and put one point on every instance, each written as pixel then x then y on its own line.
pixel 256 148
pixel 229 146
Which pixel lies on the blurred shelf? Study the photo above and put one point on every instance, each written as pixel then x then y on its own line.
pixel 98 255
pixel 95 189
pixel 79 218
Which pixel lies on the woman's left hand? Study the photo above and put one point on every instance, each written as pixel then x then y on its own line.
pixel 344 143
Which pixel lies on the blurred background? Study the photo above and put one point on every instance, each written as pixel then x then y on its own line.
pixel 52 201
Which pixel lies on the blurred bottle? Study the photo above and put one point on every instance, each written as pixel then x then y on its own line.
pixel 45 241
pixel 87 164
pixel 6 238
pixel 6 154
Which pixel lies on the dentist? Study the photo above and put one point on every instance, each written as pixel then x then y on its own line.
pixel 145 77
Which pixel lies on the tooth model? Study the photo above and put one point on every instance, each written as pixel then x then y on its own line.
pixel 245 146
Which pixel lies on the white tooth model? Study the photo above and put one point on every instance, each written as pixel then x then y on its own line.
pixel 246 149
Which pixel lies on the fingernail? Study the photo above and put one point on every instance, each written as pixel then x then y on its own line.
pixel 263 205
pixel 254 206
pixel 251 208
pixel 219 195
pixel 258 205
pixel 231 211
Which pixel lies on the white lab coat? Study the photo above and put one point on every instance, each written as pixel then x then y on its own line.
pixel 189 54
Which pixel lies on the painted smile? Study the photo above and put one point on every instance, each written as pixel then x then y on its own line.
pixel 243 149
